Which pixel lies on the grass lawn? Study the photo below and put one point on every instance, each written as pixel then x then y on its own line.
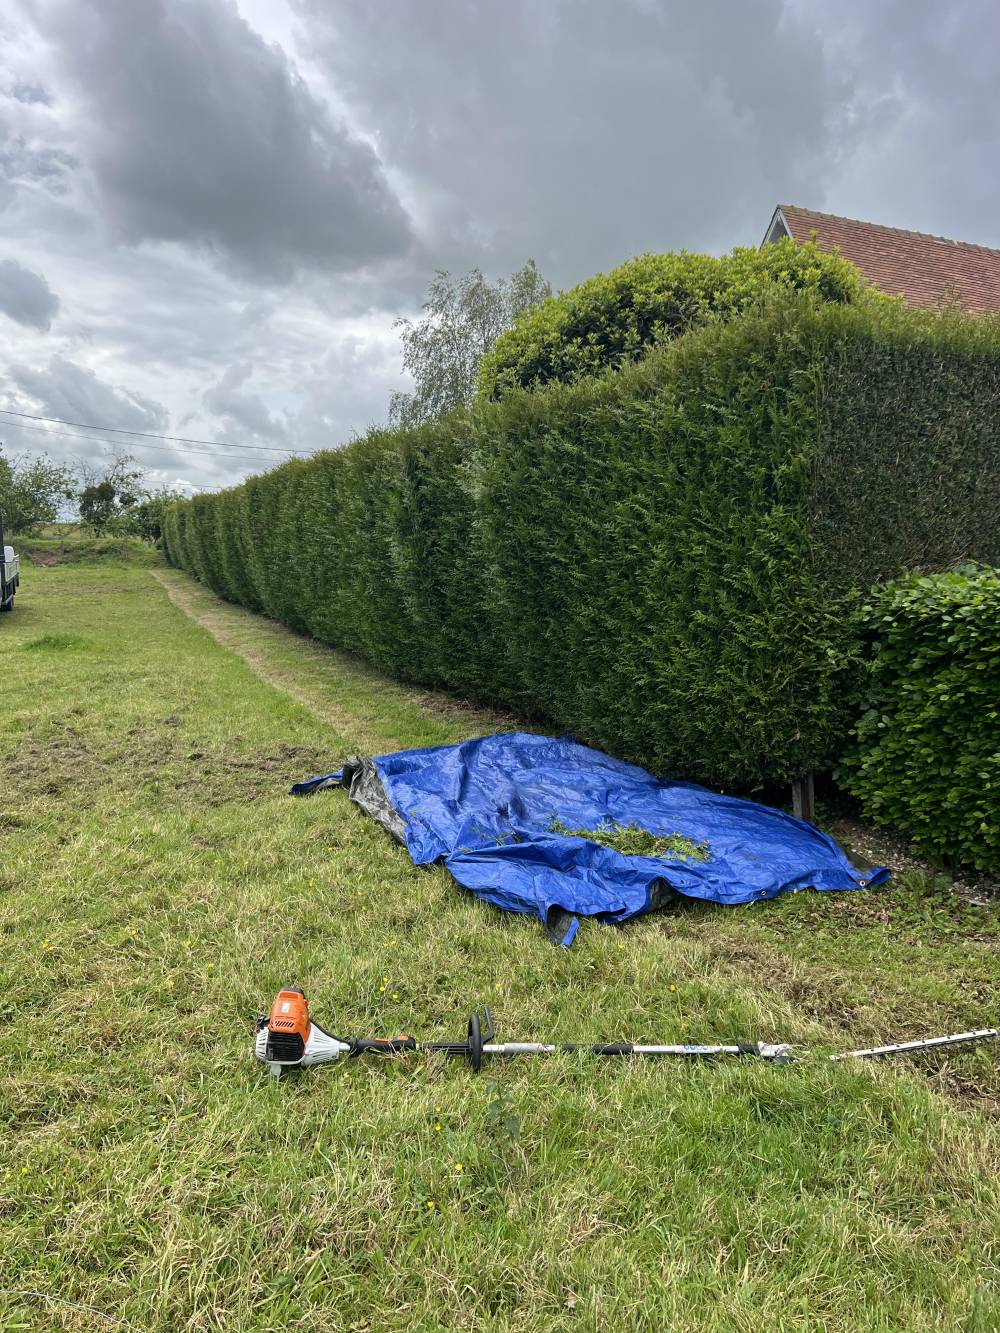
pixel 157 886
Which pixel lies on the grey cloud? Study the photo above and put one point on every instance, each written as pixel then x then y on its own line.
pixel 927 77
pixel 74 393
pixel 240 409
pixel 347 392
pixel 576 131
pixel 199 131
pixel 581 132
pixel 25 160
pixel 31 94
pixel 32 151
pixel 25 296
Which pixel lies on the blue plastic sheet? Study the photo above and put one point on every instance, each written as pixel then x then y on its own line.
pixel 485 809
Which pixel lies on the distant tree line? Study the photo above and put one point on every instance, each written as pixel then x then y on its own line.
pixel 116 499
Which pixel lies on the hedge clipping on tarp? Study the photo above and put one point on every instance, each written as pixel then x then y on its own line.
pixel 667 561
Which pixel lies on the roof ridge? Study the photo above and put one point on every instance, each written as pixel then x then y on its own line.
pixel 899 231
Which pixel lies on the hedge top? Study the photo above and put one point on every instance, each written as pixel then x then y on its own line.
pixel 613 318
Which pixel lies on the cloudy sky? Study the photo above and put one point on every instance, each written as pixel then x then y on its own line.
pixel 212 210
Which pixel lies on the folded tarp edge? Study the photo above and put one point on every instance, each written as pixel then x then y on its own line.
pixel 361 779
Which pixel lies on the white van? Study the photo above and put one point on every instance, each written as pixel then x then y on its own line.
pixel 10 573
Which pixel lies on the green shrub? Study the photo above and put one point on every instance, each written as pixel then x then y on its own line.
pixel 927 753
pixel 613 318
pixel 666 561
pixel 78 547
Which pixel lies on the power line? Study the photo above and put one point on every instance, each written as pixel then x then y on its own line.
pixel 146 434
pixel 139 444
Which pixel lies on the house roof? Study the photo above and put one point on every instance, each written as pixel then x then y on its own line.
pixel 924 270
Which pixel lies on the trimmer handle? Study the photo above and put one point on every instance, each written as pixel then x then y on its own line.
pixel 383 1045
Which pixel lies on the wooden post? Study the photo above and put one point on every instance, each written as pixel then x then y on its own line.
pixel 804 799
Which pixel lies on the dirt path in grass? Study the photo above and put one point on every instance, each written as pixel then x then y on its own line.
pixel 339 691
pixel 228 627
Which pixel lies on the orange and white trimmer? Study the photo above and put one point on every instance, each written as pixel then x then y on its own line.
pixel 287 1036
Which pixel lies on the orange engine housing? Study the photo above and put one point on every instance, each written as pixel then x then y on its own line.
pixel 288 1026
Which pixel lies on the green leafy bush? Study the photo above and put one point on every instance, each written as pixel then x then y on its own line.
pixel 613 318
pixel 926 757
pixel 666 561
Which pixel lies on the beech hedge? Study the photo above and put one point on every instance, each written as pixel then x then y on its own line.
pixel 926 757
pixel 666 561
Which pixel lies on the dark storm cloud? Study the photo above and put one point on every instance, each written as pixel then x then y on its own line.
pixel 25 296
pixel 582 131
pixel 198 131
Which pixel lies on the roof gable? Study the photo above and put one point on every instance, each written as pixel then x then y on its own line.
pixel 924 270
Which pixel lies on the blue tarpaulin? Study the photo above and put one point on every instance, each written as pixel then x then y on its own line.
pixel 486 810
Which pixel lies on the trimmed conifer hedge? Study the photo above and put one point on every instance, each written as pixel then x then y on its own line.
pixel 665 561
pixel 926 757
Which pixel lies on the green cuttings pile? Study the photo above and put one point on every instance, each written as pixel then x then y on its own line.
pixel 631 840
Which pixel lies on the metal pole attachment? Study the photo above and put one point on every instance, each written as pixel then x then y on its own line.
pixel 924 1044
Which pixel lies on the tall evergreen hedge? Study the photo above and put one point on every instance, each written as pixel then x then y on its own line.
pixel 666 561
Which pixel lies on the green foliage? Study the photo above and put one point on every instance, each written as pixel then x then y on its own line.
pixel 612 319
pixel 906 469
pixel 108 502
pixel 145 519
pixel 666 561
pixel 97 505
pixel 55 643
pixel 501 1122
pixel 32 491
pixel 75 545
pixel 632 840
pixel 462 320
pixel 927 753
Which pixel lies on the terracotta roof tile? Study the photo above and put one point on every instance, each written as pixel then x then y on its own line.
pixel 924 270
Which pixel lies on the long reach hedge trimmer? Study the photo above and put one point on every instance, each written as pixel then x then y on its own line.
pixel 288 1038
